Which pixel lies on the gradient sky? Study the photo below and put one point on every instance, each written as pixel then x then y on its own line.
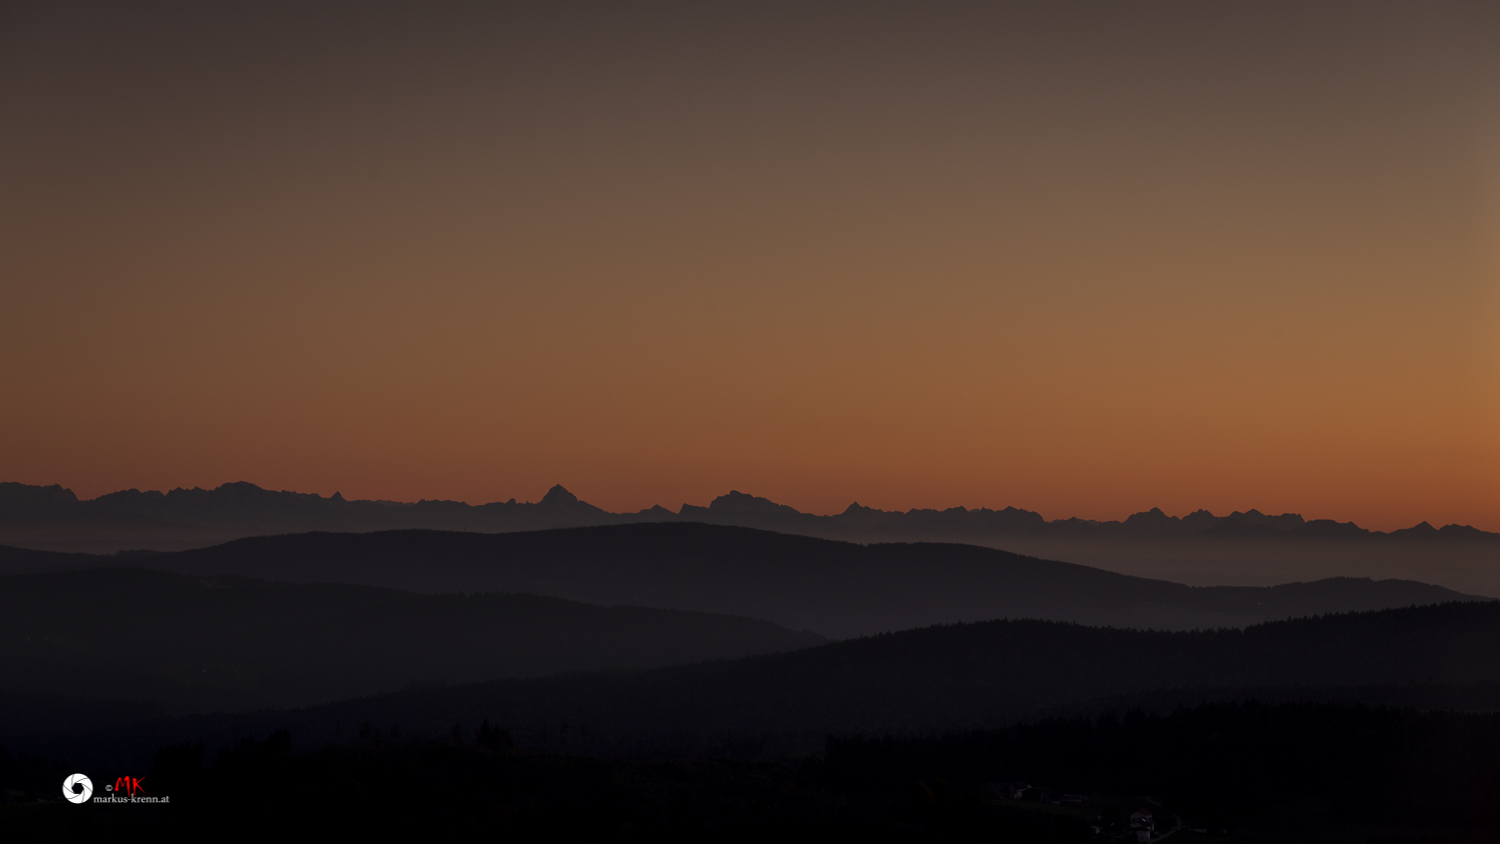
pixel 1080 258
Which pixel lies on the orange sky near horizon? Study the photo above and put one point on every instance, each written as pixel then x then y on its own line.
pixel 1078 258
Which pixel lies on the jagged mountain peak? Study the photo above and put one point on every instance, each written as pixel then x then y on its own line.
pixel 129 518
pixel 1154 516
pixel 558 495
pixel 739 502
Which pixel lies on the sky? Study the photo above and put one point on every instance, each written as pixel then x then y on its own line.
pixel 1081 258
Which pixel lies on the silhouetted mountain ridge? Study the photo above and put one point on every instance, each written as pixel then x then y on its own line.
pixel 243 509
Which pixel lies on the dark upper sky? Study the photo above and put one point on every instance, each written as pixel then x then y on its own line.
pixel 1085 258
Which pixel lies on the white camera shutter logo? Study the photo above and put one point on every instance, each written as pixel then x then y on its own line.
pixel 78 788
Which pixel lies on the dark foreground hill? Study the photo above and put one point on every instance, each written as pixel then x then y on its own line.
pixel 837 589
pixel 1260 773
pixel 224 643
pixel 974 674
pixel 957 676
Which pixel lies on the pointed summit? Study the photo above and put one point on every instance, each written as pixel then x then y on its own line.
pixel 558 495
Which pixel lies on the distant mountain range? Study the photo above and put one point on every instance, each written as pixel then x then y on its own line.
pixel 56 517
pixel 670 635
pixel 837 589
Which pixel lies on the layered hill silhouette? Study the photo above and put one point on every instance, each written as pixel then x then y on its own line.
pixel 989 673
pixel 837 589
pixel 1244 548
pixel 939 678
pixel 181 644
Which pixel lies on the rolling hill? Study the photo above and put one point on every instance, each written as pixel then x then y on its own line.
pixel 193 644
pixel 918 681
pixel 1244 548
pixel 981 674
pixel 837 589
